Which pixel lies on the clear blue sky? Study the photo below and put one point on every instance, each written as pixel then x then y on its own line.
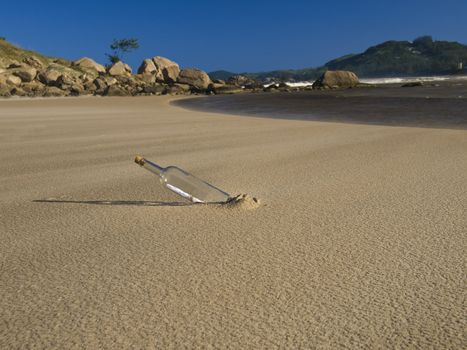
pixel 235 35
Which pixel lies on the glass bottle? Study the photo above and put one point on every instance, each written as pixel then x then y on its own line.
pixel 184 184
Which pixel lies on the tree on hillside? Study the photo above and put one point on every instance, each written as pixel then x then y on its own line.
pixel 121 46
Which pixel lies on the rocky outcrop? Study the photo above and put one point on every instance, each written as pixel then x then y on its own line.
pixel 336 80
pixel 89 63
pixel 194 77
pixel 27 74
pixel 163 69
pixel 119 68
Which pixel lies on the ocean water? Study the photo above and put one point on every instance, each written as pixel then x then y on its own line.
pixel 440 105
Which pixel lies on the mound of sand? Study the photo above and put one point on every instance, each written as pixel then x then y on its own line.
pixel 243 201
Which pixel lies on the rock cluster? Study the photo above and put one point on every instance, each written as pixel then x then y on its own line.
pixel 33 76
pixel 156 76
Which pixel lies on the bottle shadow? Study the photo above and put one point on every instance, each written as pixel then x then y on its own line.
pixel 117 202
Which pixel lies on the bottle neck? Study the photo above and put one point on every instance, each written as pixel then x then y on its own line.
pixel 148 165
pixel 153 167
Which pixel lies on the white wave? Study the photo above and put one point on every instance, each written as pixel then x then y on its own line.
pixel 400 80
pixel 293 84
pixel 378 81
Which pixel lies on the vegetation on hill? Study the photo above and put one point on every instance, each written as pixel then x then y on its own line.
pixel 423 56
pixel 10 53
pixel 420 57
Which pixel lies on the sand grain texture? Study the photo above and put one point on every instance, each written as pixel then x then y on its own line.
pixel 361 243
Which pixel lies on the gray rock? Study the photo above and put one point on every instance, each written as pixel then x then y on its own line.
pixel 169 69
pixel 64 82
pixel 5 90
pixel 119 68
pixel 336 80
pixel 155 89
pixel 27 74
pixel 147 67
pixel 13 80
pixel 146 77
pixel 104 82
pixel 49 77
pixel 52 91
pixel 194 77
pixel 86 62
pixel 115 90
pixel 33 88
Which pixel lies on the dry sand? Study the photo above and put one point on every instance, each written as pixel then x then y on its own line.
pixel 360 243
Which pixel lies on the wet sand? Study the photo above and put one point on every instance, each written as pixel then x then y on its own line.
pixel 359 241
pixel 440 105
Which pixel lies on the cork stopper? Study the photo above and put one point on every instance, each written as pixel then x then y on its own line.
pixel 139 160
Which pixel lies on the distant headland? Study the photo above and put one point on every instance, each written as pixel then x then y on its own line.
pixel 422 56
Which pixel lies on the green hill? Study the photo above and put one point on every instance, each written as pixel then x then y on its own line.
pixel 423 56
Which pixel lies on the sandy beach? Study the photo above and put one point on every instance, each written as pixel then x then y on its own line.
pixel 360 241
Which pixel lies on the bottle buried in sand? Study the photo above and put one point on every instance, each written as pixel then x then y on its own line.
pixel 184 184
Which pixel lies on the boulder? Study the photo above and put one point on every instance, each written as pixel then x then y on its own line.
pixel 194 77
pixel 34 88
pixel 27 74
pixel 103 82
pixel 49 77
pixel 86 62
pixel 124 80
pixel 119 68
pixel 5 91
pixel 147 67
pixel 17 91
pixel 115 90
pixel 52 91
pixel 169 69
pixel 336 79
pixel 179 89
pixel 146 78
pixel 90 87
pixel 33 61
pixel 156 89
pixel 13 80
pixel 64 82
